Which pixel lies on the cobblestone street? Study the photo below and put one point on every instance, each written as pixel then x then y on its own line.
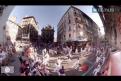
pixel 68 64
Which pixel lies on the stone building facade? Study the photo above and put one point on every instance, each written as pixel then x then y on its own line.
pixel 76 26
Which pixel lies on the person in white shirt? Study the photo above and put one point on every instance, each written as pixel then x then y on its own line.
pixel 76 52
pixel 46 57
pixel 57 66
pixel 69 53
pixel 56 69
pixel 97 59
pixel 31 53
pixel 96 70
pixel 59 61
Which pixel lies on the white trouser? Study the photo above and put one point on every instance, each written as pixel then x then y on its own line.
pixel 61 74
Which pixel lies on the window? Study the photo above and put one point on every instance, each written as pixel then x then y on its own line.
pixel 119 19
pixel 80 26
pixel 69 35
pixel 75 13
pixel 69 21
pixel 69 28
pixel 64 37
pixel 76 18
pixel 4 27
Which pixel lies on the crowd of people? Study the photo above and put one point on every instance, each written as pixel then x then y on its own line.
pixel 31 63
pixel 30 66
pixel 34 67
pixel 6 53
pixel 28 59
pixel 34 64
pixel 3 55
pixel 102 54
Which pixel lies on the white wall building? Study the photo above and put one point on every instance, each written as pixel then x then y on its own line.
pixel 4 14
pixel 12 29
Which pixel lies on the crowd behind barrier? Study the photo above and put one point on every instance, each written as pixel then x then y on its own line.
pixel 34 60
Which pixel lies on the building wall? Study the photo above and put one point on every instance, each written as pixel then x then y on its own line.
pixel 118 30
pixel 112 27
pixel 29 29
pixel 3 18
pixel 67 27
pixel 12 29
pixel 75 26
pixel 29 20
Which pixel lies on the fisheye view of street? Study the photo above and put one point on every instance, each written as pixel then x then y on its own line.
pixel 61 40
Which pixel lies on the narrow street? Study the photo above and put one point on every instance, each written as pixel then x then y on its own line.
pixel 69 65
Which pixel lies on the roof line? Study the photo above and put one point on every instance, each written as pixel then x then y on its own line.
pixel 85 14
pixel 78 10
pixel 64 15
pixel 15 23
pixel 31 17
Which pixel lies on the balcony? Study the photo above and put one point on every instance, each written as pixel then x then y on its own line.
pixel 78 21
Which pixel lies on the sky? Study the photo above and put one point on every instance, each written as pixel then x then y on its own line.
pixel 51 15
